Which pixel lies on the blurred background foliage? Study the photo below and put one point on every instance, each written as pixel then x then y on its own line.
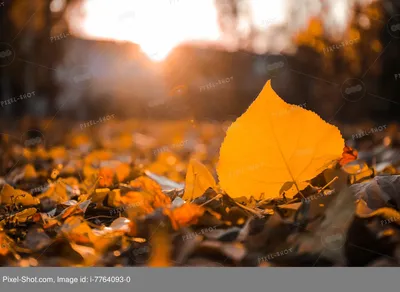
pixel 129 84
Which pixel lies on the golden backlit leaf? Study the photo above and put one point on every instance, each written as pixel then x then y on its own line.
pixel 290 189
pixel 273 143
pixel 198 180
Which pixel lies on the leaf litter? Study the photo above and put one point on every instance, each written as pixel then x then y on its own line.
pixel 285 190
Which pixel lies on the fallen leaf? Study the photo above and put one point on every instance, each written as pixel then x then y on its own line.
pixel 143 183
pixel 184 215
pixel 349 154
pixel 357 171
pixel 198 180
pixel 122 171
pixel 11 196
pixel 77 230
pixel 273 143
pixel 5 244
pixel 165 183
pixel 61 190
pixel 106 175
pixel 290 189
pixel 23 216
pixel 380 192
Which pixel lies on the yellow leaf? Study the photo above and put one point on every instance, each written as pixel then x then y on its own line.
pixel 198 180
pixel 23 216
pixel 273 143
pixel 61 190
pixel 11 196
pixel 76 229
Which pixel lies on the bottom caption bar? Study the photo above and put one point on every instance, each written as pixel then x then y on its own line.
pixel 196 279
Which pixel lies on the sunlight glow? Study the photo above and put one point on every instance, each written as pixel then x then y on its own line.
pixel 157 26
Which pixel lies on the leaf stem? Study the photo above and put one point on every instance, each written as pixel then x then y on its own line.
pixel 258 214
pixel 215 198
pixel 298 190
pixel 329 183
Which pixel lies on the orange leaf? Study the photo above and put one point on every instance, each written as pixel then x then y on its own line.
pixel 184 215
pixel 272 143
pixel 106 175
pixel 349 154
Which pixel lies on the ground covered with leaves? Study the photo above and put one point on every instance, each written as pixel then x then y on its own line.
pixel 139 194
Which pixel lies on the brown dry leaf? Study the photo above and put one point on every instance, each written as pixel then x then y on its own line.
pixel 10 196
pixel 357 171
pixel 330 234
pixel 198 180
pixel 273 143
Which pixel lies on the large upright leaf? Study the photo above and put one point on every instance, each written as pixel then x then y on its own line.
pixel 273 143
